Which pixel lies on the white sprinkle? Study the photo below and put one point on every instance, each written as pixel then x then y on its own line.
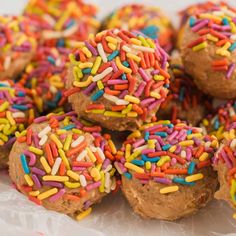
pixel 82 180
pixel 102 75
pixel 183 154
pixel 81 156
pixel 70 31
pixel 121 102
pixel 233 144
pixel 231 112
pixel 53 89
pixel 118 168
pixel 126 48
pixel 7 62
pixel 116 31
pixel 45 131
pixel 56 166
pixel 18 114
pixel 49 19
pixel 109 167
pixel 141 148
pixel 102 53
pixel 110 97
pixel 107 183
pixel 58 62
pixel 43 140
pixel 48 34
pixel 78 141
pixel 233 37
pixel 228 12
pixel 218 13
pixel 142 48
pixel 100 153
pixel 113 185
pixel 208 144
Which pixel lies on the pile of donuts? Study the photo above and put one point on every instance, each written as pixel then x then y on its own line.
pixel 70 85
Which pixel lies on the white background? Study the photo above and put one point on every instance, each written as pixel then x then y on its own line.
pixel 113 216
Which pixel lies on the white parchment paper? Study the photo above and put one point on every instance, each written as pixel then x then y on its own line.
pixel 113 216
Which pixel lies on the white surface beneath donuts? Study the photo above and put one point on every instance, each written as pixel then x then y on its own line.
pixel 113 216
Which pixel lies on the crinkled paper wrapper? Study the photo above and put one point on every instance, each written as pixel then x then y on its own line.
pixel 113 216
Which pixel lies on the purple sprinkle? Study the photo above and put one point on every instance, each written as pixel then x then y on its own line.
pixel 91 48
pixel 230 70
pixel 123 94
pixel 162 180
pixel 57 195
pixel 52 184
pixel 90 88
pixel 93 186
pixel 140 89
pixel 32 157
pixel 36 181
pixel 38 171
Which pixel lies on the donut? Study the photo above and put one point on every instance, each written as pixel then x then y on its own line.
pixel 208 50
pixel 45 76
pixel 147 19
pixel 166 170
pixel 63 22
pixel 184 101
pixel 218 122
pixel 118 79
pixel 63 165
pixel 17 45
pixel 16 113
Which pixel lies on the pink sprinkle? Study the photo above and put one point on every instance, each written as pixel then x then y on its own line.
pixel 32 157
pixel 143 74
pixel 200 25
pixel 138 143
pixel 93 186
pixel 230 70
pixel 140 89
pixel 57 195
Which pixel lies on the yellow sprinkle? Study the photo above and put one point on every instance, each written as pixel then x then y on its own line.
pixel 112 146
pixel 155 95
pixel 144 42
pixel 121 67
pixel 96 111
pixel 64 158
pixel 55 139
pixel 163 160
pixel 133 156
pixel 86 52
pixel 151 143
pixel 172 149
pixel 61 131
pixel 132 114
pixel 28 180
pixel 210 16
pixel 113 114
pixel 4 106
pixel 135 134
pixel 204 156
pixel 127 109
pixel 151 43
pixel 96 65
pixel 10 118
pixel 148 165
pixel 56 178
pixel 45 165
pixel 67 142
pixel 91 155
pixel 233 27
pixel 196 135
pixel 84 83
pixel 73 175
pixel 72 185
pixel 130 98
pixel 77 131
pixel 3 137
pixel 77 73
pixel 112 46
pixel 95 174
pixel 134 168
pixel 72 59
pixel 111 40
pixel 212 38
pixel 102 186
pixel 133 56
pixel 100 85
pixel 193 178
pixel 170 189
pixel 136 41
pixel 36 150
pixel 127 151
pixel 84 214
pixel 159 77
pixel 34 193
pixel 186 143
pixel 47 193
pixel 215 143
pixel 234 215
pixel 85 65
pixel 3 121
pixel 200 46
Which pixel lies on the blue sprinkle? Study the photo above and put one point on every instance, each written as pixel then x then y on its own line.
pixel 127 175
pixel 70 23
pixel 161 134
pixel 138 162
pixel 113 55
pixel 192 21
pixel 166 85
pixel 21 94
pixel 189 132
pixel 24 164
pixel 69 127
pixel 216 124
pixel 61 43
pixel 97 95
pixel 87 71
pixel 182 181
pixel 191 168
pixel 20 107
pixel 225 21
pixel 123 76
pixel 181 94
pixel 232 47
pixel 146 136
pixel 125 63
pixel 57 97
pixel 151 31
pixel 51 60
pixel 166 147
pixel 169 125
pixel 51 104
pixel 152 160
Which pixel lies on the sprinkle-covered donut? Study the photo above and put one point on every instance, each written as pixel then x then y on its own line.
pixel 166 170
pixel 118 79
pixel 63 164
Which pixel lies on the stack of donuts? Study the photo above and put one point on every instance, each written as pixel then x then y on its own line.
pixel 70 85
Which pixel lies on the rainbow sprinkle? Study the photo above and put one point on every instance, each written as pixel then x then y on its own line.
pixel 124 75
pixel 66 160
pixel 149 20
